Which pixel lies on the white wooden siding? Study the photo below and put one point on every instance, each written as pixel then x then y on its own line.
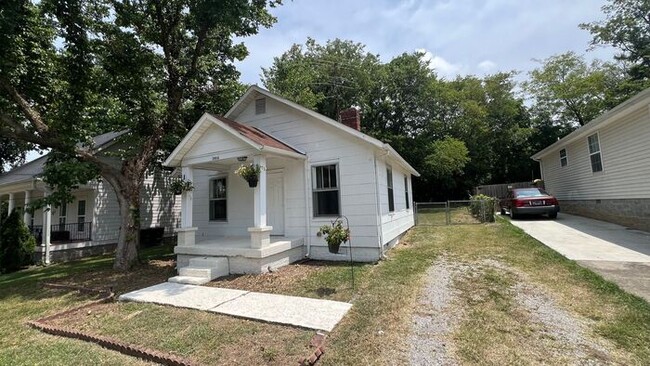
pixel 324 145
pixel 625 152
pixel 393 223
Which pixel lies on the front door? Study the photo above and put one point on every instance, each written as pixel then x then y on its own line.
pixel 275 202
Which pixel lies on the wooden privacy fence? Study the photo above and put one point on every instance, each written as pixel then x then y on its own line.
pixel 500 190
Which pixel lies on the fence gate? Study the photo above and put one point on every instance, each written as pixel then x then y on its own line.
pixel 458 212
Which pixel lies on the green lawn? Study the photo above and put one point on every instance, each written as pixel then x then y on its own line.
pixel 374 332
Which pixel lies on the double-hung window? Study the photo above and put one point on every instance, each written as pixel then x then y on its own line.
pixel 563 158
pixel 325 190
pixel 389 184
pixel 594 153
pixel 218 200
pixel 63 212
pixel 81 215
pixel 406 192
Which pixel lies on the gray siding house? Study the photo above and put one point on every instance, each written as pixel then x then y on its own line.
pixel 90 224
pixel 602 169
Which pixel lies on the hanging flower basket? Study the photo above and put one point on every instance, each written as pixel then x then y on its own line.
pixel 178 186
pixel 250 173
pixel 335 235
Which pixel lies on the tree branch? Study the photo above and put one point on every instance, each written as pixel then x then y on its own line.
pixel 32 115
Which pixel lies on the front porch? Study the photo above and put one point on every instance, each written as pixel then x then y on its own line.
pixel 227 226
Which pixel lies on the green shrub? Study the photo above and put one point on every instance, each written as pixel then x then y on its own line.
pixel 482 207
pixel 16 244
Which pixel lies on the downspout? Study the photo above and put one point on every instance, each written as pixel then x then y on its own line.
pixel 307 213
pixel 378 205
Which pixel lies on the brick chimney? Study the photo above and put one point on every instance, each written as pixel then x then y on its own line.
pixel 351 118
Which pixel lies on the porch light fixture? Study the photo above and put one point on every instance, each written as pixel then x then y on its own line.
pixel 242 158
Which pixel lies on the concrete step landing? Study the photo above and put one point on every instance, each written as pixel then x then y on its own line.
pixel 202 270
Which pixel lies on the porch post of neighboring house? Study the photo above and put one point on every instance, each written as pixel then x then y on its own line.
pixel 186 233
pixel 12 203
pixel 47 229
pixel 27 217
pixel 260 233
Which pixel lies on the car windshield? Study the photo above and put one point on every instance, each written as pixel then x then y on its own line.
pixel 533 192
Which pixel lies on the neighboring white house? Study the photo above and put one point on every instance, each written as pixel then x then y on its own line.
pixel 314 170
pixel 90 224
pixel 602 169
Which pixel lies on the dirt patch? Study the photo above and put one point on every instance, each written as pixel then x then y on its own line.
pixel 281 281
pixel 147 274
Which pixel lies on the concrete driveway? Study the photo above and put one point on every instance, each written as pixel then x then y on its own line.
pixel 619 254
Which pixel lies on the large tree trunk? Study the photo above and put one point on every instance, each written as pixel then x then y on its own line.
pixel 127 191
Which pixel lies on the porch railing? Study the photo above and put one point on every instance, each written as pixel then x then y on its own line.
pixel 64 233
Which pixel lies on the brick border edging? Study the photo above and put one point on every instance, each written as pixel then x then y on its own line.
pixel 106 342
pixel 317 341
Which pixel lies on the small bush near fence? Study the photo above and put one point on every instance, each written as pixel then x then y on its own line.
pixel 482 207
pixel 16 244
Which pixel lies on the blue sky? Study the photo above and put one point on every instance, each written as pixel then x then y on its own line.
pixel 460 36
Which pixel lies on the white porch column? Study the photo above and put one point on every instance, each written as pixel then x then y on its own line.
pixel 187 233
pixel 27 217
pixel 260 233
pixel 47 229
pixel 12 203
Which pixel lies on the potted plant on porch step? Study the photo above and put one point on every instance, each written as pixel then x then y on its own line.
pixel 250 173
pixel 335 235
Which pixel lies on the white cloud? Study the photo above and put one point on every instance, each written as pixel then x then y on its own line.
pixel 441 66
pixel 487 65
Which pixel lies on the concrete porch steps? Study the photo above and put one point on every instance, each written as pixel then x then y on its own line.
pixel 202 270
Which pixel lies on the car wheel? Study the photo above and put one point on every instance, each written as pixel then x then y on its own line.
pixel 503 211
pixel 552 215
pixel 513 215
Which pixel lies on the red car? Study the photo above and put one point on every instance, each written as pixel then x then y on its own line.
pixel 529 201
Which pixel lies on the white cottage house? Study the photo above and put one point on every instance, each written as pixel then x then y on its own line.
pixel 314 169
pixel 90 224
pixel 602 169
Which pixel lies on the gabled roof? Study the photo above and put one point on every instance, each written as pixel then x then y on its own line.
pixel 631 105
pixel 255 91
pixel 252 136
pixel 34 168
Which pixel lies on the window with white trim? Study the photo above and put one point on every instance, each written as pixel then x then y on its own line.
pixel 563 158
pixel 406 192
pixel 81 215
pixel 218 200
pixel 63 212
pixel 389 184
pixel 325 190
pixel 594 153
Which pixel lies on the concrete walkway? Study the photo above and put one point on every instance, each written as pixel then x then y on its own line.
pixel 619 254
pixel 298 311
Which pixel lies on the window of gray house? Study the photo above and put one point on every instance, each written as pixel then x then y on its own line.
pixel 63 212
pixel 563 158
pixel 406 192
pixel 218 200
pixel 81 215
pixel 325 190
pixel 389 184
pixel 260 106
pixel 594 153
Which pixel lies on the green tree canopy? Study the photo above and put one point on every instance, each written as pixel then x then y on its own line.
pixel 627 28
pixel 73 69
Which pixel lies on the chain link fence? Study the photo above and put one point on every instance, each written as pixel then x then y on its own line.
pixel 454 212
